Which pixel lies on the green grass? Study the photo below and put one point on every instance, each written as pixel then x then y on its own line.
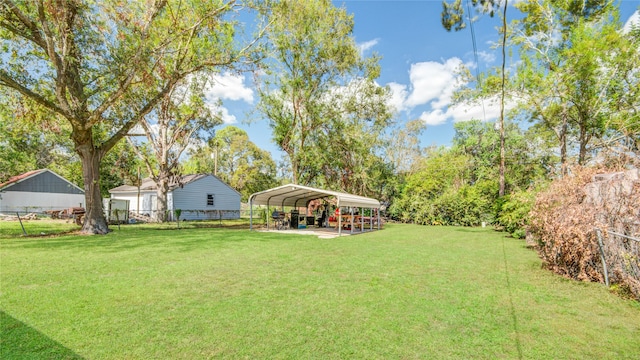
pixel 402 293
pixel 41 227
pixel 51 227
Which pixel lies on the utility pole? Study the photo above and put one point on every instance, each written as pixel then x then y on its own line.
pixel 139 183
pixel 502 181
pixel 215 166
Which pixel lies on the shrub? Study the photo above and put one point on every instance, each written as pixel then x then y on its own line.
pixel 563 228
pixel 564 219
pixel 514 212
pixel 464 206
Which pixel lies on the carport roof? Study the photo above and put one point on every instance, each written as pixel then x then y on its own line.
pixel 298 196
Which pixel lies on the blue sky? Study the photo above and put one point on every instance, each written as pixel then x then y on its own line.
pixel 418 62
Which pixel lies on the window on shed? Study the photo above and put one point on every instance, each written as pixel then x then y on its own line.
pixel 210 199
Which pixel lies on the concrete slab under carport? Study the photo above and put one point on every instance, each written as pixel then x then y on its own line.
pixel 322 233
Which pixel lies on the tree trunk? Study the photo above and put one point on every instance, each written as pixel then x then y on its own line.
pixel 163 189
pixel 94 220
pixel 563 145
pixel 294 168
pixel 584 139
pixel 502 181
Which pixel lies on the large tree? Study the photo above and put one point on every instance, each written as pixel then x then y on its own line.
pixel 403 148
pixel 623 90
pixel 563 79
pixel 104 65
pixel 182 119
pixel 40 140
pixel 318 84
pixel 236 160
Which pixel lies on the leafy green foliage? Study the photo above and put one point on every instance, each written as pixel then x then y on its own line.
pixel 326 112
pixel 236 160
pixel 453 12
pixel 571 70
pixel 514 212
pixel 32 138
pixel 103 66
pixel 182 119
pixel 458 186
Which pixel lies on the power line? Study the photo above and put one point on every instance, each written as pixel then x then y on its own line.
pixel 475 55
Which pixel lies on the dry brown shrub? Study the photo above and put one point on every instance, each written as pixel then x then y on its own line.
pixel 565 216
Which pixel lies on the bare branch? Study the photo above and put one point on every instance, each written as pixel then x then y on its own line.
pixel 136 119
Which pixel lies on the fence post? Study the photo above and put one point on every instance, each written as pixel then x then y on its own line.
pixel 604 262
pixel 22 226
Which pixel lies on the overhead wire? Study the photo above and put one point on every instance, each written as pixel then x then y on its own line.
pixel 475 56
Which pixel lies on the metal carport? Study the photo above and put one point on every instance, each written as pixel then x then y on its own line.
pixel 299 196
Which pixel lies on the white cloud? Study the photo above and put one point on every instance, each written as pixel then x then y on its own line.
pixel 487 110
pixel 398 96
pixel 229 87
pixel 487 57
pixel 434 117
pixel 432 87
pixel 227 118
pixel 222 112
pixel 367 45
pixel 432 81
pixel 634 20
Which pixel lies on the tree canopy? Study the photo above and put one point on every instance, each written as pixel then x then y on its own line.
pixel 103 66
pixel 319 95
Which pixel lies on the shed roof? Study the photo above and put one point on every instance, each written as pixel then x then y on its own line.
pixel 16 180
pixel 148 184
pixel 298 195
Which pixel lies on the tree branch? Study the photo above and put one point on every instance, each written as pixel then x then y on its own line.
pixel 106 146
pixel 8 81
pixel 128 79
pixel 34 36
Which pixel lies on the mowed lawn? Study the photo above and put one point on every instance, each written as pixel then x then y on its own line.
pixel 406 292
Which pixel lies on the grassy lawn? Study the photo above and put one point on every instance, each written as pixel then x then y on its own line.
pixel 42 227
pixel 402 293
pixel 48 227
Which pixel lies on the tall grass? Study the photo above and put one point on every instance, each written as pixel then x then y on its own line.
pixel 404 292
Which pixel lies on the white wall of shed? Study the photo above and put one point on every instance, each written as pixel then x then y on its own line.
pixel 12 201
pixel 133 202
pixel 192 200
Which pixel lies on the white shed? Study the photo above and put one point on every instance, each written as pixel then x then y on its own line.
pixel 39 191
pixel 199 196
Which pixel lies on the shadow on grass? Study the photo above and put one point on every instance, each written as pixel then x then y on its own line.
pixel 170 239
pixel 470 229
pixel 20 341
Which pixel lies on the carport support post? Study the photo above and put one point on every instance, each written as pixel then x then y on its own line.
pixel 339 219
pixel 351 225
pixel 250 215
pixel 371 219
pixel 378 212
